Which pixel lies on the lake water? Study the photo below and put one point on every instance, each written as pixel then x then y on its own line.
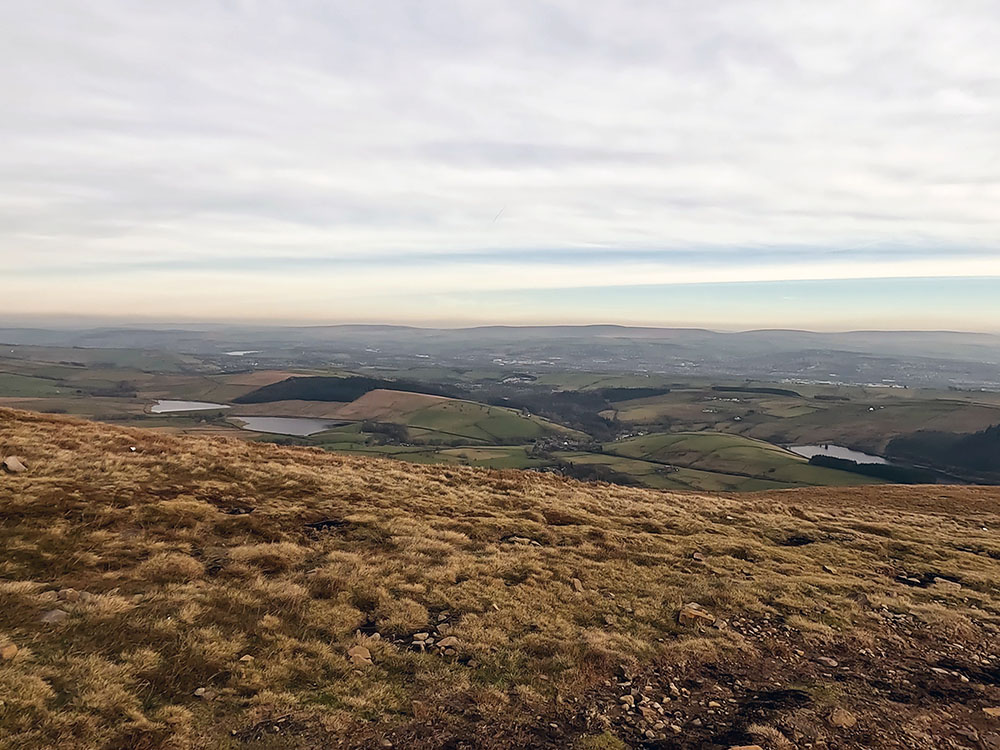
pixel 167 406
pixel 836 451
pixel 298 426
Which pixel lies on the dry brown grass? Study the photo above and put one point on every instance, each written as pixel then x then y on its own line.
pixel 197 554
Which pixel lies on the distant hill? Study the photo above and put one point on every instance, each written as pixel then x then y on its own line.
pixel 159 593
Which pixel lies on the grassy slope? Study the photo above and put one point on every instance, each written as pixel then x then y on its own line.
pixel 184 588
pixel 732 454
pixel 451 417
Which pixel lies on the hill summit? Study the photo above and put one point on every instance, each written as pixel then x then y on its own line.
pixel 167 592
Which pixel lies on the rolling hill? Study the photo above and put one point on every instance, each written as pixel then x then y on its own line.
pixel 163 592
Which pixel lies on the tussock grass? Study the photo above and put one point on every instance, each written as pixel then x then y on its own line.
pixel 201 572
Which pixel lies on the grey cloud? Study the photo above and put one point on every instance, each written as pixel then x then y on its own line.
pixel 171 132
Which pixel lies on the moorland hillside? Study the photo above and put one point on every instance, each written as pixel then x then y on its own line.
pixel 179 592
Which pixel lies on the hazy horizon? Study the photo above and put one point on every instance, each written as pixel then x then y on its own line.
pixel 730 166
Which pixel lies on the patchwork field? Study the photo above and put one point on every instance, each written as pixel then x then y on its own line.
pixel 866 418
pixel 732 455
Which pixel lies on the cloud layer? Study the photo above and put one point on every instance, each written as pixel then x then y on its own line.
pixel 411 147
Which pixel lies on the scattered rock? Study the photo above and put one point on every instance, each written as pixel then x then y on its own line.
pixel 993 712
pixel 54 616
pixel 520 540
pixel 842 718
pixel 698 556
pixel 69 595
pixel 421 636
pixel 246 658
pixel 694 614
pixel 9 651
pixel 449 642
pixel 359 656
pixel 826 661
pixel 944 583
pixel 746 747
pixel 830 569
pixel 577 584
pixel 14 464
pixel 206 694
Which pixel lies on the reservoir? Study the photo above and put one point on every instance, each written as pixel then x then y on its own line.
pixel 167 406
pixel 298 426
pixel 836 451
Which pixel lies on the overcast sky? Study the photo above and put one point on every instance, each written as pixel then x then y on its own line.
pixel 456 162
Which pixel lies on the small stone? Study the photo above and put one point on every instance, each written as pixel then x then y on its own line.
pixel 421 636
pixel 826 661
pixel 69 595
pixel 746 747
pixel 842 718
pixel 54 616
pixel 246 658
pixel 945 584
pixel 14 464
pixel 993 712
pixel 694 614
pixel 449 642
pixel 714 704
pixel 8 652
pixel 577 584
pixel 698 556
pixel 649 714
pixel 830 569
pixel 386 743
pixel 199 692
pixel 359 656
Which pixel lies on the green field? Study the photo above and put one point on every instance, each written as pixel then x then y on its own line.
pixel 490 424
pixel 862 417
pixel 26 386
pixel 658 476
pixel 736 458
